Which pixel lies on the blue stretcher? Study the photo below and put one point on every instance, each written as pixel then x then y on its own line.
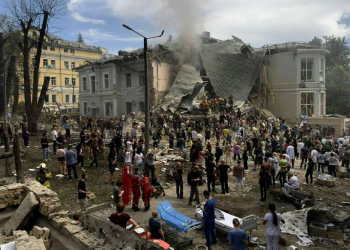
pixel 177 223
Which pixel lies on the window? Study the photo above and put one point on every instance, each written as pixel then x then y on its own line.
pixel 73 81
pixel 128 108
pixel 107 108
pixel 67 98
pixel 93 90
pixel 74 97
pixel 53 98
pixel 72 51
pixel 47 98
pixel 84 83
pixel 307 68
pixel 106 81
pixel 53 64
pixel 72 65
pixel 307 104
pixel 66 65
pixel 66 81
pixel 65 50
pixel 128 80
pixel 44 47
pixel 142 79
pixel 85 108
pixel 45 63
pixel 53 81
pixel 52 48
pixel 142 106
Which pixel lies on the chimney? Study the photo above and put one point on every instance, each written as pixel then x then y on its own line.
pixel 206 34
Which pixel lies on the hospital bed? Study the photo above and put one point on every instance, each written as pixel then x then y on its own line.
pixel 177 223
pixel 224 220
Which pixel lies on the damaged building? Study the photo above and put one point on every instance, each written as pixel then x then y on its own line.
pixel 286 79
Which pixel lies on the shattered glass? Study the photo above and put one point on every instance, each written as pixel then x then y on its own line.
pixel 325 177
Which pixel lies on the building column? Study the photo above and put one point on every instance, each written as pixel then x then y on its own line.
pixel 317 104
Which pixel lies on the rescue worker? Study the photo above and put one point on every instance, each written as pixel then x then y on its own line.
pixel 145 192
pixel 135 185
pixel 44 176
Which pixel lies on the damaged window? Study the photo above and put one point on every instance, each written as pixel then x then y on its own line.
pixel 307 104
pixel 128 80
pixel 307 69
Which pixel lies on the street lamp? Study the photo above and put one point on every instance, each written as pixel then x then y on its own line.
pixel 146 85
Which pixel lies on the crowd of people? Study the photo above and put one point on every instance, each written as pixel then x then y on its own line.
pixel 216 145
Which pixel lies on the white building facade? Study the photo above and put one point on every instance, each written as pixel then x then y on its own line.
pixel 112 88
pixel 297 81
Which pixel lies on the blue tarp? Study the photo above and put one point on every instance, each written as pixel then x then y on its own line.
pixel 174 218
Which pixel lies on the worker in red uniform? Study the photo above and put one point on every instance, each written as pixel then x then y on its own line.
pixel 145 192
pixel 135 185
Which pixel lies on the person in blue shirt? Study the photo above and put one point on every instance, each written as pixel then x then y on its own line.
pixel 237 238
pixel 70 162
pixel 209 219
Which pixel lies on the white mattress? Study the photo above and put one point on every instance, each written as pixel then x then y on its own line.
pixel 226 223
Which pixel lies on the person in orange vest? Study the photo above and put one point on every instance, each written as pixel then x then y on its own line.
pixel 135 185
pixel 145 192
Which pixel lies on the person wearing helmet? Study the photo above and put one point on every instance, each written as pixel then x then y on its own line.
pixel 44 175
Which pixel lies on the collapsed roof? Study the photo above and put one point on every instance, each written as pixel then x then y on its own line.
pixel 186 86
pixel 232 67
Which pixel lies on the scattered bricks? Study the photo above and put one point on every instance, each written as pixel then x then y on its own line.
pixel 42 233
pixel 27 207
pixel 318 229
pixel 25 242
pixel 59 222
pixel 37 232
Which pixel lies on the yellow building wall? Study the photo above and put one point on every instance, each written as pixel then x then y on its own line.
pixel 56 67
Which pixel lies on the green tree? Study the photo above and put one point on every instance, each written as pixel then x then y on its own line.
pixel 317 42
pixel 338 91
pixel 80 39
pixel 339 52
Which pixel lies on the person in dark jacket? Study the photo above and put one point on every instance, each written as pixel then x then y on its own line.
pixel 193 179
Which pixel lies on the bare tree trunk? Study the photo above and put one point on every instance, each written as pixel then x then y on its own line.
pixel 2 79
pixel 11 73
pixel 18 159
pixel 15 97
pixel 8 171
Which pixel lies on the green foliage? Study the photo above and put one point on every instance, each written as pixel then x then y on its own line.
pixel 317 42
pixel 80 39
pixel 338 91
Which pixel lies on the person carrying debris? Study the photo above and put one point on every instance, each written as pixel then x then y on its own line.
pixel 44 175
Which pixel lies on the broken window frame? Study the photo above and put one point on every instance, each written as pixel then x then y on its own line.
pixel 83 80
pixel 142 79
pixel 307 103
pixel 93 84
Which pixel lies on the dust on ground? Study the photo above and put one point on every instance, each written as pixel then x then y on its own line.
pixel 238 204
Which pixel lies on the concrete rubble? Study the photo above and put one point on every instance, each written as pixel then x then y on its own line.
pixel 17 220
pixel 42 233
pixel 26 242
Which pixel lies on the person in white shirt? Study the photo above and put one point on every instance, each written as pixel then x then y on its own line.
pixel 139 160
pixel 293 182
pixel 300 146
pixel 127 156
pixel 314 155
pixel 54 135
pixel 123 117
pixel 196 108
pixel 273 220
pixel 290 153
pixel 194 134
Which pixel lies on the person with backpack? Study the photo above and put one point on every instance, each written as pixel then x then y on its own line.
pixel 171 139
pixel 177 176
pixel 181 144
pixel 193 178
